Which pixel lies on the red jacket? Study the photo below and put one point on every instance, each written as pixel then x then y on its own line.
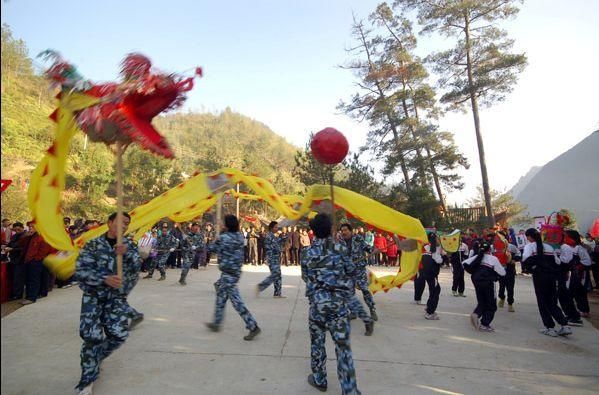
pixel 37 248
pixel 391 248
pixel 380 243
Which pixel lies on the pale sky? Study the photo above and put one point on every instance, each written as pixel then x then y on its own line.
pixel 277 61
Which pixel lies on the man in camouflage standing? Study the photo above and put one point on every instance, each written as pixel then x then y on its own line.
pixel 327 271
pixel 193 242
pixel 165 245
pixel 357 249
pixel 273 246
pixel 229 249
pixel 104 308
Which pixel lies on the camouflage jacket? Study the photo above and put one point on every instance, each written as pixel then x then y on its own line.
pixel 165 242
pixel 357 248
pixel 229 248
pixel 97 260
pixel 273 244
pixel 327 271
pixel 196 240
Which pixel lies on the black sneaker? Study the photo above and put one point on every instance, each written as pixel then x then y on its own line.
pixel 312 382
pixel 369 328
pixel 136 321
pixel 213 327
pixel 182 282
pixel 373 315
pixel 162 278
pixel 353 316
pixel 253 333
pixel 577 322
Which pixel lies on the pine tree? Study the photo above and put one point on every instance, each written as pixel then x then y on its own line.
pixel 479 69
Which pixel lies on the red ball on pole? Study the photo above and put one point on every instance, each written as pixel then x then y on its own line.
pixel 329 146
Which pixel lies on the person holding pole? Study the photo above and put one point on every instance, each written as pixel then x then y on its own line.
pixel 104 308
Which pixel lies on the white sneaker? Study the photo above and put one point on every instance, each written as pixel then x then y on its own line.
pixel 549 332
pixel 86 390
pixel 433 316
pixel 564 331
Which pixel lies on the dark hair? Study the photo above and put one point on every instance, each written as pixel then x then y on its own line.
pixel 272 225
pixel 111 217
pixel 195 224
pixel 231 223
pixel 66 220
pixel 321 225
pixel 346 225
pixel 536 236
pixel 19 224
pixel 483 248
pixel 574 235
pixel 432 239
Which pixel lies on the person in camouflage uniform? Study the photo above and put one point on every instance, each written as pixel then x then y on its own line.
pixel 165 245
pixel 104 308
pixel 192 243
pixel 357 249
pixel 327 272
pixel 210 233
pixel 273 246
pixel 229 249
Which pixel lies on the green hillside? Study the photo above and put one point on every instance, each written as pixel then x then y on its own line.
pixel 202 142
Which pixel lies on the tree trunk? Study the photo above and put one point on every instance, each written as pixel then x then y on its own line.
pixel 421 172
pixel 402 161
pixel 479 137
pixel 432 169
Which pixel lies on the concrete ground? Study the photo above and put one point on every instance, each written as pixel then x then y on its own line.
pixel 172 352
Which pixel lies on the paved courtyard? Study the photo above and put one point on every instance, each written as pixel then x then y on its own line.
pixel 172 352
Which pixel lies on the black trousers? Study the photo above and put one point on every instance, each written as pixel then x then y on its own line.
pixel 486 303
pixel 294 255
pixel 434 290
pixel 260 253
pixel 458 277
pixel 419 284
pixel 19 274
pixel 33 273
pixel 566 299
pixel 595 271
pixel 546 292
pixel 507 282
pixel 45 282
pixel 579 292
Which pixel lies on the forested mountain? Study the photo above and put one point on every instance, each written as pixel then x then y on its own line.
pixel 202 142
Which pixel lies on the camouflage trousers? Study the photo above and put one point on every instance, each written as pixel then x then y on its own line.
pixel 103 327
pixel 275 276
pixel 227 289
pixel 362 284
pixel 332 317
pixel 160 261
pixel 188 258
pixel 131 312
pixel 356 307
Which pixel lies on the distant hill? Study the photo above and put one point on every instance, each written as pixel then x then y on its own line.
pixel 524 180
pixel 569 181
